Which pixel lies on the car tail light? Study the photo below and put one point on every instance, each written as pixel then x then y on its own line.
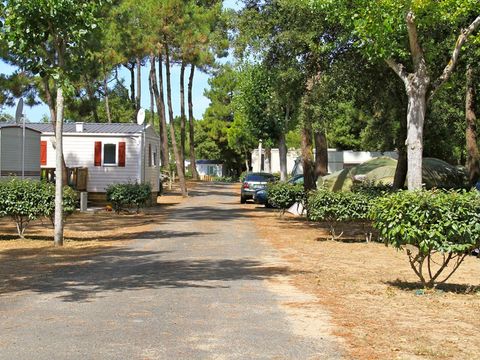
pixel 245 185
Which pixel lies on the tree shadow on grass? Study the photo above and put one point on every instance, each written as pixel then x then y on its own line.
pixel 447 287
pixel 81 275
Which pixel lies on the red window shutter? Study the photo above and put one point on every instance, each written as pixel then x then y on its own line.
pixel 121 154
pixel 98 153
pixel 43 153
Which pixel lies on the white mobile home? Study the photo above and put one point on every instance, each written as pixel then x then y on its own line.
pixel 112 153
pixel 16 150
pixel 337 159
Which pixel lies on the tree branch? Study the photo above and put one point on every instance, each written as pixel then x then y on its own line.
pixel 415 48
pixel 448 70
pixel 398 68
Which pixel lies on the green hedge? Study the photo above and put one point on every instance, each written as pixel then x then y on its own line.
pixel 282 195
pixel 336 208
pixel 125 196
pixel 436 228
pixel 27 200
pixel 329 206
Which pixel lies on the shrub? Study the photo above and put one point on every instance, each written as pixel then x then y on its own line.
pixel 27 200
pixel 125 196
pixel 70 201
pixel 23 201
pixel 441 227
pixel 334 207
pixel 282 195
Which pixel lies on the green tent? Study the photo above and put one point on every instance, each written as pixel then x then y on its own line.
pixel 436 174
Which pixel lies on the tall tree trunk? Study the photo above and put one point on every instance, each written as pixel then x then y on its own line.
pixel 191 123
pixel 402 163
pixel 162 127
pixel 178 158
pixel 152 99
pixel 282 146
pixel 307 157
pixel 138 98
pixel 162 114
pixel 473 156
pixel 182 114
pixel 107 101
pixel 131 68
pixel 59 175
pixel 416 91
pixel 321 153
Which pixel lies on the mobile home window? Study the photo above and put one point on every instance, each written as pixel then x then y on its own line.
pixel 109 154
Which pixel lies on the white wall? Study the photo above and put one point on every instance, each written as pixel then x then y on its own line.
pixel 79 151
pixel 337 160
pixel 11 152
pixel 210 169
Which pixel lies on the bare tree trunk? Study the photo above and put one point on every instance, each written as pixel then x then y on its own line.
pixel 282 147
pixel 307 157
pixel 59 175
pixel 152 98
pixel 321 153
pixel 473 156
pixel 178 158
pixel 138 98
pixel 182 114
pixel 191 122
pixel 131 68
pixel 402 163
pixel 107 102
pixel 416 92
pixel 162 114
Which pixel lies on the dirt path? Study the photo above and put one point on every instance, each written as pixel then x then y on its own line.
pixel 201 286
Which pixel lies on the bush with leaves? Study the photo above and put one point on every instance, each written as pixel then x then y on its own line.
pixel 23 201
pixel 282 195
pixel 335 207
pixel 126 196
pixel 435 228
pixel 70 201
pixel 27 200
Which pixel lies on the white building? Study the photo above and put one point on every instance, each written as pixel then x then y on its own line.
pixel 13 154
pixel 209 168
pixel 337 160
pixel 112 153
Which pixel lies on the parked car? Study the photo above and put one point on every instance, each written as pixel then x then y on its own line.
pixel 261 197
pixel 252 183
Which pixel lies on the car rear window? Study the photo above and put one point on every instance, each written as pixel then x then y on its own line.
pixel 259 177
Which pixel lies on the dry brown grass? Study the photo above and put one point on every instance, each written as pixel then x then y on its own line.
pixel 372 295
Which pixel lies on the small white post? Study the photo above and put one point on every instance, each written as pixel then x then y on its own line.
pixel 83 201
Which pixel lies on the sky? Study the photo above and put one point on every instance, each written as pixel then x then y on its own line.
pixel 200 102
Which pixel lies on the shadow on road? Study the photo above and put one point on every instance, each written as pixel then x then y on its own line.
pixel 81 278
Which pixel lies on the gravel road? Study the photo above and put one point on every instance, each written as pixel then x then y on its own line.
pixel 202 285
